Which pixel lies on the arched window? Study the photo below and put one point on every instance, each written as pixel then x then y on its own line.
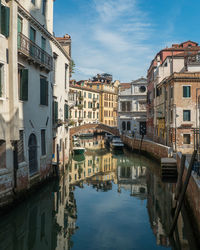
pixel 123 125
pixel 128 126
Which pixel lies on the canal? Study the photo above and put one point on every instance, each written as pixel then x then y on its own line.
pixel 105 200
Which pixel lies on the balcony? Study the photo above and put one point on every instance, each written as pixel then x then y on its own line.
pixel 34 53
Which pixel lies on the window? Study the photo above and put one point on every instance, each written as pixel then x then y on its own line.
pixel 98 105
pixel 43 142
pixel 128 106
pixel 66 74
pixel 89 114
pixel 84 103
pixel 20 147
pixel 66 110
pixel 123 106
pixel 32 38
pixel 186 139
pixel 171 92
pixel 79 114
pixel 123 125
pixel 43 43
pixel 33 2
pixel 55 111
pixel 19 30
pixel 89 104
pixel 23 84
pixel 1 80
pixel 186 91
pixel 97 86
pixel 75 114
pixel 186 115
pixel 97 115
pixel 44 4
pixel 32 34
pixel 84 94
pixel 128 126
pixel 43 91
pixel 84 114
pixel 3 154
pixel 4 20
pixel 89 95
pixel 93 114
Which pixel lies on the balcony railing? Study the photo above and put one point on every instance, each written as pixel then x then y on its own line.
pixel 34 52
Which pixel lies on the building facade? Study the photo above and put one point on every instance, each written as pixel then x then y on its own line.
pixel 27 70
pixel 163 65
pixel 132 108
pixel 84 105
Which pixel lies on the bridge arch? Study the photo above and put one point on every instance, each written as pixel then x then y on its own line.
pixel 106 128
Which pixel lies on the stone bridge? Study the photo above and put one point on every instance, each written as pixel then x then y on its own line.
pixel 99 126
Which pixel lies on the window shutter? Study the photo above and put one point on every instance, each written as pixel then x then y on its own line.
pixel 43 92
pixel 24 85
pixel 56 111
pixel 46 92
pixel 66 112
pixel 5 20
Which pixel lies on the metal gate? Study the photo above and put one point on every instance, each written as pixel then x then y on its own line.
pixel 32 145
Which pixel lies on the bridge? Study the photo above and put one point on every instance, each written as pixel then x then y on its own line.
pixel 99 126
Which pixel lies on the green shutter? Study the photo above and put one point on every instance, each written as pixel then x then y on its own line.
pixel 5 20
pixel 43 92
pixel 66 112
pixel 24 85
pixel 55 111
pixel 46 92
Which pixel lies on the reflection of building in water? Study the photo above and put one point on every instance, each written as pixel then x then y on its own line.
pixel 64 215
pixel 132 176
pixel 103 167
pixel 93 143
pixel 30 225
pixel 159 205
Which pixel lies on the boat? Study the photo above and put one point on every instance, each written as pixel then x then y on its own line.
pixel 77 149
pixel 116 143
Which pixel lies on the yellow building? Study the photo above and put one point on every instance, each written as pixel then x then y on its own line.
pixel 108 101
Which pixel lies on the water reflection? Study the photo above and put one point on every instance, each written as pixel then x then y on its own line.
pixel 64 215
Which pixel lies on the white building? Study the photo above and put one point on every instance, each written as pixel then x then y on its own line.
pixel 27 46
pixel 84 105
pixel 132 108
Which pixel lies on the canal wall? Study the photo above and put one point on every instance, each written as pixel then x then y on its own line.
pixel 151 148
pixel 192 193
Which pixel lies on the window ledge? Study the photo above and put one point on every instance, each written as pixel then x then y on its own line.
pixel 43 157
pixel 2 99
pixel 22 164
pixel 4 171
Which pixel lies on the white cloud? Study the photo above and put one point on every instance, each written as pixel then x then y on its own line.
pixel 113 40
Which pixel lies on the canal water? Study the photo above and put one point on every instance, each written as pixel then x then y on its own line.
pixel 106 200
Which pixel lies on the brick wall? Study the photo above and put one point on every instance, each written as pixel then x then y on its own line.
pixel 156 150
pixel 192 194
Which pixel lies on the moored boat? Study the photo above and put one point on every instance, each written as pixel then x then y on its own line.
pixel 116 143
pixel 77 149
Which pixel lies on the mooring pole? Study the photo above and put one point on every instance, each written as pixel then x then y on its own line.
pixel 183 193
pixel 180 176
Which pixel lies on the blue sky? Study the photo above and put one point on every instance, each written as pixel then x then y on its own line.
pixel 121 37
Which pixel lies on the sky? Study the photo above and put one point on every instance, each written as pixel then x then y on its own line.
pixel 121 37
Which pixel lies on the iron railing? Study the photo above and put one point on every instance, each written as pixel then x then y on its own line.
pixel 33 51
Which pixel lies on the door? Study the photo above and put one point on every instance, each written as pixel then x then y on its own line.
pixel 142 128
pixel 32 149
